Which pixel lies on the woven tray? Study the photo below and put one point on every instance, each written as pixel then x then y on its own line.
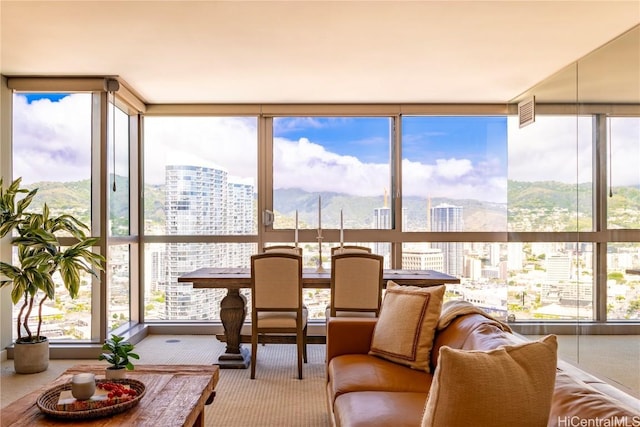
pixel 47 402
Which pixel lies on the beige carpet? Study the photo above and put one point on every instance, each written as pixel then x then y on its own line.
pixel 275 398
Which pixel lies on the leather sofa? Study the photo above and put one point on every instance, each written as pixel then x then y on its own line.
pixel 365 390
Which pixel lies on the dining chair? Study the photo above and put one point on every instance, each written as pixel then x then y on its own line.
pixel 348 249
pixel 286 249
pixel 276 297
pixel 356 285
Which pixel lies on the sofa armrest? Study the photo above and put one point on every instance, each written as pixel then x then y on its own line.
pixel 349 336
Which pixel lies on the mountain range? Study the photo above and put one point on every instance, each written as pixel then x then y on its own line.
pixel 75 196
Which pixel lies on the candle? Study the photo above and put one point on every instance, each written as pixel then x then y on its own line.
pixel 319 214
pixel 341 230
pixel 83 386
pixel 296 232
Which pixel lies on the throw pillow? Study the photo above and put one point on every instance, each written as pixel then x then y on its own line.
pixel 505 387
pixel 406 325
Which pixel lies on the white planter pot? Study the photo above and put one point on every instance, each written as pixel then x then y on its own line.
pixel 115 374
pixel 31 357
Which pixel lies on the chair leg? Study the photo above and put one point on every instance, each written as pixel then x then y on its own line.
pixel 254 349
pixel 304 341
pixel 299 343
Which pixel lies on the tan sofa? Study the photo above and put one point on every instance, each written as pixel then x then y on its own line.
pixel 365 390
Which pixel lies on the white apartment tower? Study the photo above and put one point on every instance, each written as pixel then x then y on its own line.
pixel 201 201
pixel 445 217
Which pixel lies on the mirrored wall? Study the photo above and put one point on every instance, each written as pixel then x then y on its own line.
pixel 583 152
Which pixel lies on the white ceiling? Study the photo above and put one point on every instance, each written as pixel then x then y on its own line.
pixel 309 52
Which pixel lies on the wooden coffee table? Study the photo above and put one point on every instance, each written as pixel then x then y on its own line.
pixel 175 396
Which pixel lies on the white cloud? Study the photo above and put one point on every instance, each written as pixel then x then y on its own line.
pixel 453 168
pixel 306 165
pixel 52 143
pixel 454 178
pixel 51 136
pixel 625 151
pixel 52 140
pixel 546 149
pixel 226 143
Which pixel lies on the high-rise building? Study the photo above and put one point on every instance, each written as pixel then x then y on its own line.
pixel 382 221
pixel 445 217
pixel 202 201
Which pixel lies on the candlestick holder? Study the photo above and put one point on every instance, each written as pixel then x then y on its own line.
pixel 320 268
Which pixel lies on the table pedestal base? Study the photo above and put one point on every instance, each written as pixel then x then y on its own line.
pixel 233 310
pixel 235 361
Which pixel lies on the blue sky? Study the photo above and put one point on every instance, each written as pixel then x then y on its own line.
pixel 53 97
pixel 362 137
pixel 423 138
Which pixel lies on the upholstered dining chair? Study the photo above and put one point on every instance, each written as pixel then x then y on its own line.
pixel 349 249
pixel 285 249
pixel 356 285
pixel 276 298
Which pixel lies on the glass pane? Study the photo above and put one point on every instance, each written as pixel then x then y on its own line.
pixel 119 180
pixel 200 175
pixel 623 281
pixel 119 289
pixel 624 203
pixel 454 162
pixel 52 152
pixel 167 300
pixel 483 274
pixel 550 281
pixel 343 160
pixel 316 301
pixel 550 174
pixel 63 318
pixel 334 173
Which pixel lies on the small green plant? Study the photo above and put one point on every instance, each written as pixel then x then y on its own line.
pixel 119 352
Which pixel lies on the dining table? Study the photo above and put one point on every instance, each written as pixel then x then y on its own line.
pixel 233 307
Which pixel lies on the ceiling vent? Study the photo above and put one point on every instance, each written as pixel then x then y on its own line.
pixel 527 111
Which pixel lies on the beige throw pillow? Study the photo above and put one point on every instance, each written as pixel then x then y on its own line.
pixel 406 326
pixel 506 387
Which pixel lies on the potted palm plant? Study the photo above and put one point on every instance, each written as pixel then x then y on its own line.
pixel 39 257
pixel 119 353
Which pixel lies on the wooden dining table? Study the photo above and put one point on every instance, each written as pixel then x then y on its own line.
pixel 233 307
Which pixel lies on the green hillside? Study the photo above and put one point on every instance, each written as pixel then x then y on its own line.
pixel 545 196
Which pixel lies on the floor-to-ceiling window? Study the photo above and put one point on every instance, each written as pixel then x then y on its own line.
pixel 52 151
pixel 120 132
pixel 623 258
pixel 454 183
pixel 200 195
pixel 334 175
pixel 550 276
pixel 60 144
